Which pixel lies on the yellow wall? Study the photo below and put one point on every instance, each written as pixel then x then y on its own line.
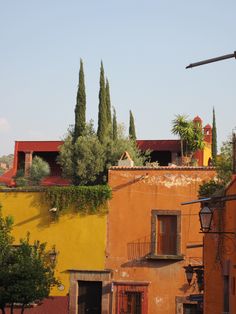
pixel 206 154
pixel 80 239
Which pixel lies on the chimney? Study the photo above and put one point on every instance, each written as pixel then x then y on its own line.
pixel 125 160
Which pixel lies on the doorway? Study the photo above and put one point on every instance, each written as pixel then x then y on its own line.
pixel 90 297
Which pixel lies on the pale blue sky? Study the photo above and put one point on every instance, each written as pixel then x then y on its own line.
pixel 144 45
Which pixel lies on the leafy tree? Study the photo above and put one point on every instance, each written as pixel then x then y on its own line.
pixel 108 103
pixel 89 157
pixel 190 134
pixel 26 271
pixel 115 148
pixel 214 139
pixel 94 158
pixel 102 110
pixel 80 108
pixel 181 127
pixel 223 166
pixel 132 132
pixel 114 126
pixel 224 163
pixel 38 170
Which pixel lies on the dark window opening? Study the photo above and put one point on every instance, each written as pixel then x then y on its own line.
pixel 90 297
pixel 162 157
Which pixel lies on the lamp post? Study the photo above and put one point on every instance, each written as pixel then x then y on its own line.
pixel 231 55
pixel 198 270
pixel 205 216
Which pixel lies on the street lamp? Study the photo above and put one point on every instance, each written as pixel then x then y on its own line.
pixel 205 216
pixel 53 255
pixel 231 55
pixel 198 270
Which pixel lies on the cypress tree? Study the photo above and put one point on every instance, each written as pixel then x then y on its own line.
pixel 114 126
pixel 102 109
pixel 108 103
pixel 80 108
pixel 132 133
pixel 214 138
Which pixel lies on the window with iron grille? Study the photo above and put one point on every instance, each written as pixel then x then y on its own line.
pixel 165 232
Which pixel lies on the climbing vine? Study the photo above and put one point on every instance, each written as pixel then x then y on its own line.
pixel 84 199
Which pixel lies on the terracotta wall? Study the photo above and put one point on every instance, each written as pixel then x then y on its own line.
pixel 136 192
pixel 220 259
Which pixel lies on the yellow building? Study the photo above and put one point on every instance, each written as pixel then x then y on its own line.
pixel 79 240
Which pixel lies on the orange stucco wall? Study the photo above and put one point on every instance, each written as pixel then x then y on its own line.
pixel 135 194
pixel 220 258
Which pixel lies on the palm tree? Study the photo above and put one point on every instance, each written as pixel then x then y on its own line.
pixel 182 128
pixel 190 134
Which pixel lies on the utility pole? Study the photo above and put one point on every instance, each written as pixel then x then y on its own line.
pixel 191 65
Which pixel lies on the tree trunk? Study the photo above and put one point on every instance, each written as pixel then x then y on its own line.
pixel 3 310
pixel 22 308
pixel 12 308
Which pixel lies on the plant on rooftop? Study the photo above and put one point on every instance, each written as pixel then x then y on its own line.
pixel 223 166
pixel 86 156
pixel 83 199
pixel 190 134
pixel 132 132
pixel 38 170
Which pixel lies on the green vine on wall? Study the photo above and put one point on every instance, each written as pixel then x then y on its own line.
pixel 84 199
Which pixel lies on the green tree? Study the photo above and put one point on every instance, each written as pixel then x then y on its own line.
pixel 132 132
pixel 89 157
pixel 223 164
pixel 214 139
pixel 114 126
pixel 26 271
pixel 80 108
pixel 190 134
pixel 38 170
pixel 102 109
pixel 108 104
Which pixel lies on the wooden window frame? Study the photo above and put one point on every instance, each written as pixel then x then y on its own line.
pixel 154 221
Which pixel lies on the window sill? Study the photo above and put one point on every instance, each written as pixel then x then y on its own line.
pixel 165 257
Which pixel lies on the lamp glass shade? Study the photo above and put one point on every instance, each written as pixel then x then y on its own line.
pixel 189 273
pixel 205 216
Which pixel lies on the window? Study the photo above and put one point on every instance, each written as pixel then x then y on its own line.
pixel 165 233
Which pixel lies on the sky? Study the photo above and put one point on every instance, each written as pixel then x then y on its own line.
pixel 145 47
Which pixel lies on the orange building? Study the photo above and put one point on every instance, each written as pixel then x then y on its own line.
pixel 151 237
pixel 220 254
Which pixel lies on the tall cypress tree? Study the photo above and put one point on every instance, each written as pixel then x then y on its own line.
pixel 214 138
pixel 132 133
pixel 114 126
pixel 108 103
pixel 80 108
pixel 102 109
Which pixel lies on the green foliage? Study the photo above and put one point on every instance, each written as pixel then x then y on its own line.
pixel 108 103
pixel 102 110
pixel 26 271
pixel 223 172
pixel 224 163
pixel 214 139
pixel 93 158
pixel 190 134
pixel 38 170
pixel 132 132
pixel 207 189
pixel 114 126
pixel 84 199
pixel 88 155
pixel 80 108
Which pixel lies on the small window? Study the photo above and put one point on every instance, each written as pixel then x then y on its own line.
pixel 165 232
